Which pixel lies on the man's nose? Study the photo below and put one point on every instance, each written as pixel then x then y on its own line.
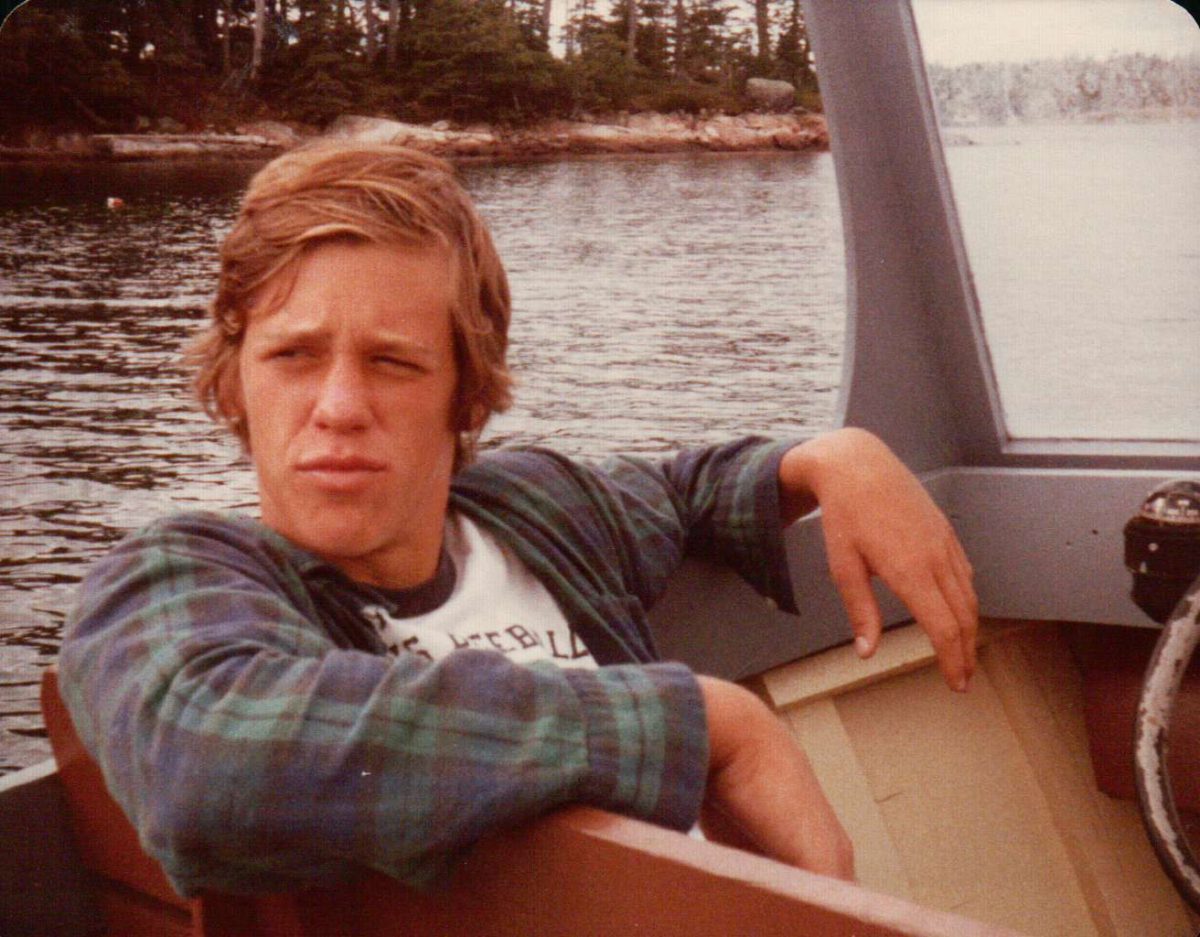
pixel 342 402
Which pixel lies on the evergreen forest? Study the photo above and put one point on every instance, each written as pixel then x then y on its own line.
pixel 122 65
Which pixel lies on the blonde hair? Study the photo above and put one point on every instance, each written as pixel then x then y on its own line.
pixel 372 193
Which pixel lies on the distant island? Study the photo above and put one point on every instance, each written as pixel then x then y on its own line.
pixel 1130 86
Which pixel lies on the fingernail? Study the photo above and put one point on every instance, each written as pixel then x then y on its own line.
pixel 961 685
pixel 862 645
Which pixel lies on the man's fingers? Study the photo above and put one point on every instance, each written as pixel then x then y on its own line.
pixel 946 633
pixel 853 582
pixel 963 607
pixel 965 575
pixel 937 591
pixel 962 565
pixel 967 607
pixel 954 580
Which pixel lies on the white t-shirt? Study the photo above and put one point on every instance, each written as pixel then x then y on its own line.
pixel 495 604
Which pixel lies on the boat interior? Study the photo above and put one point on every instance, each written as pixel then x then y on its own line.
pixel 1011 809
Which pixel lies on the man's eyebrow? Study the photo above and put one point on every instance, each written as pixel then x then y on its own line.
pixel 380 341
pixel 385 341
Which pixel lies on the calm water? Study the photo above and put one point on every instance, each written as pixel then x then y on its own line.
pixel 1085 245
pixel 659 302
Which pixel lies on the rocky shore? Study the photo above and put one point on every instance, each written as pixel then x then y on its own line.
pixel 626 133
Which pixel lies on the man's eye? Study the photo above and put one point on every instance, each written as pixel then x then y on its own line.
pixel 396 364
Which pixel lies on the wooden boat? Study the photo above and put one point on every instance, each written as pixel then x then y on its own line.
pixel 1005 811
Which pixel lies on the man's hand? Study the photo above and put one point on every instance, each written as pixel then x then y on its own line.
pixel 878 520
pixel 762 793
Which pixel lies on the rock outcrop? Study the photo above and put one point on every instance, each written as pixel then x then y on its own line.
pixel 626 133
pixel 181 145
pixel 278 133
pixel 632 133
pixel 436 138
pixel 771 95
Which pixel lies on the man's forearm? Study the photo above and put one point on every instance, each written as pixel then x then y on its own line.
pixel 253 754
pixel 761 784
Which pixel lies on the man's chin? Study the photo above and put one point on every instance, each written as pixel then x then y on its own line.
pixel 336 540
pixel 371 540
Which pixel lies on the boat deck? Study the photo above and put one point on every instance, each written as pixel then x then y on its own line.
pixel 986 804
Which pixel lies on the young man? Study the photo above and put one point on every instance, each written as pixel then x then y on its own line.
pixel 410 648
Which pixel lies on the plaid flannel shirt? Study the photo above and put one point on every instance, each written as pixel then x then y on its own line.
pixel 259 737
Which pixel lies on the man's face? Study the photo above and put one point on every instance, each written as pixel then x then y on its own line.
pixel 347 389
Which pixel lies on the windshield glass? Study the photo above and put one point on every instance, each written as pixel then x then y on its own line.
pixel 1071 131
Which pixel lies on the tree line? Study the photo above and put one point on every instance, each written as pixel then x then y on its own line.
pixel 112 65
pixel 1125 84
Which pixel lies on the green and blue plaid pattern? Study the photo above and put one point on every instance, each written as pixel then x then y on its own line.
pixel 251 725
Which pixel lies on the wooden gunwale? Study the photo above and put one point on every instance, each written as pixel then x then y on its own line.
pixel 579 871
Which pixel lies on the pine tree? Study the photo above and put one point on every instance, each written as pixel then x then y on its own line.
pixel 260 32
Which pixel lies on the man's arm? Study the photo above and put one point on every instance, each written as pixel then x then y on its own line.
pixel 637 519
pixel 762 792
pixel 878 520
pixel 252 754
pixel 607 539
pixel 731 503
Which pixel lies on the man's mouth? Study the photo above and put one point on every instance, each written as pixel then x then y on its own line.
pixel 341 473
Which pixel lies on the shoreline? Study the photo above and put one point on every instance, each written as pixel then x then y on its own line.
pixel 637 133
pixel 627 134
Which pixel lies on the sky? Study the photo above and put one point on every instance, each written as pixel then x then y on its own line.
pixel 957 31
